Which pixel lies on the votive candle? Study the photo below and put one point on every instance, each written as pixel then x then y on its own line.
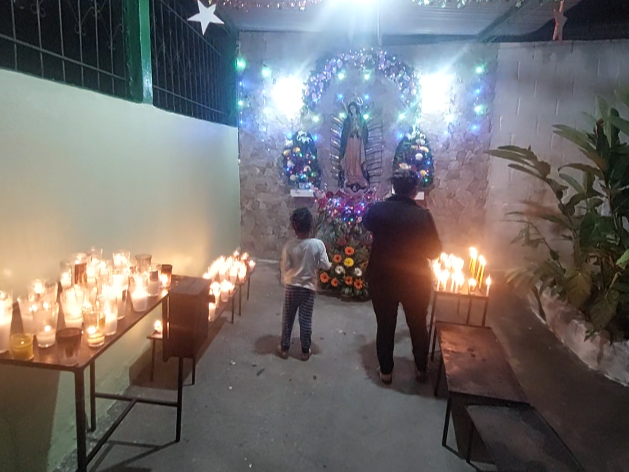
pixel 46 336
pixel 211 311
pixel 5 332
pixel 95 337
pixel 139 299
pixel 22 347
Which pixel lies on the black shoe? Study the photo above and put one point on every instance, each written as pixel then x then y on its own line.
pixel 386 379
pixel 421 376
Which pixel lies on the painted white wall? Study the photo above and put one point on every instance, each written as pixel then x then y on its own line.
pixel 79 169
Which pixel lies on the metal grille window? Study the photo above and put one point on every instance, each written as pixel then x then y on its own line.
pixel 79 42
pixel 193 74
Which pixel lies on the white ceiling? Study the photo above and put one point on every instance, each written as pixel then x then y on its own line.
pixel 397 17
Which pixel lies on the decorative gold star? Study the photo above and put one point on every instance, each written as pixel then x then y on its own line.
pixel 206 16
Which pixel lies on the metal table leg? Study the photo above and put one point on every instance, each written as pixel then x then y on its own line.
pixel 194 370
pixel 179 399
pixel 79 407
pixel 152 359
pixel 485 312
pixel 240 300
pixel 468 459
pixel 93 396
pixel 248 287
pixel 431 322
pixel 469 311
pixel 233 307
pixel 438 381
pixel 434 344
pixel 446 425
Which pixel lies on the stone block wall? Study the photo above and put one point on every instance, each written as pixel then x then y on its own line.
pixel 539 85
pixel 459 195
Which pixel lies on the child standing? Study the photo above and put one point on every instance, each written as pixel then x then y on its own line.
pixel 301 260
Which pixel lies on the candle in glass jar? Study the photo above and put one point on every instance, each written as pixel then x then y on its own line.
pixel 66 280
pixel 26 313
pixel 110 307
pixel 80 269
pixel 159 328
pixel 5 332
pixel 139 299
pixel 22 347
pixel 46 336
pixel 252 265
pixel 121 259
pixel 211 311
pixel 226 290
pixel 95 337
pixel 154 282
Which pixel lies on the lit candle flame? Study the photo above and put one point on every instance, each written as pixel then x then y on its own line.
pixel 158 326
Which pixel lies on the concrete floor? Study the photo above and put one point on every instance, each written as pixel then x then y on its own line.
pixel 251 410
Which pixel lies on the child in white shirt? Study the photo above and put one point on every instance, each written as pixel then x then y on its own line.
pixel 301 260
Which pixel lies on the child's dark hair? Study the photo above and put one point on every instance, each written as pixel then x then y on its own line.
pixel 301 219
pixel 405 182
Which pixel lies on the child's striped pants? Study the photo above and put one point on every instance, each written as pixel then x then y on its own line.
pixel 302 299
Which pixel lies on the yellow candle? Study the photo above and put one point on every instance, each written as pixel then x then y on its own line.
pixel 481 271
pixel 473 257
pixel 22 347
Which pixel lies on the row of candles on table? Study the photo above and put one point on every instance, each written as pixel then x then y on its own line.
pixel 450 277
pixel 225 273
pixel 94 294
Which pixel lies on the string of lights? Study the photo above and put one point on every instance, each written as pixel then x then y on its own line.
pixel 303 4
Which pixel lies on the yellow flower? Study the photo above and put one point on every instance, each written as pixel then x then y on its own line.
pixel 349 262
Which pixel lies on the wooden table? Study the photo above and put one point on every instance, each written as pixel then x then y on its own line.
pixel 50 359
pixel 476 369
pixel 221 308
pixel 520 440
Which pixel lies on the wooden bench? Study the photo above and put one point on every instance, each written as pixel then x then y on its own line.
pixel 520 440
pixel 476 369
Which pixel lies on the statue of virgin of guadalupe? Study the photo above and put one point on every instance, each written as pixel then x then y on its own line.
pixel 354 140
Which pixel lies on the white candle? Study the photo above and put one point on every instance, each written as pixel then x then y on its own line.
pixel 153 287
pixel 66 280
pixel 111 316
pixel 111 323
pixel 226 289
pixel 159 329
pixel 252 265
pixel 488 282
pixel 91 274
pixel 139 299
pixel 26 313
pixel 471 285
pixel 46 337
pixel 211 311
pixel 233 274
pixel 5 333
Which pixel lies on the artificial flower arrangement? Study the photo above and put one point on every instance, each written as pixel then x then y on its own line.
pixel 339 226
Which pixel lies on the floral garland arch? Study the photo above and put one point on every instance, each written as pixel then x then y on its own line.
pixel 379 63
